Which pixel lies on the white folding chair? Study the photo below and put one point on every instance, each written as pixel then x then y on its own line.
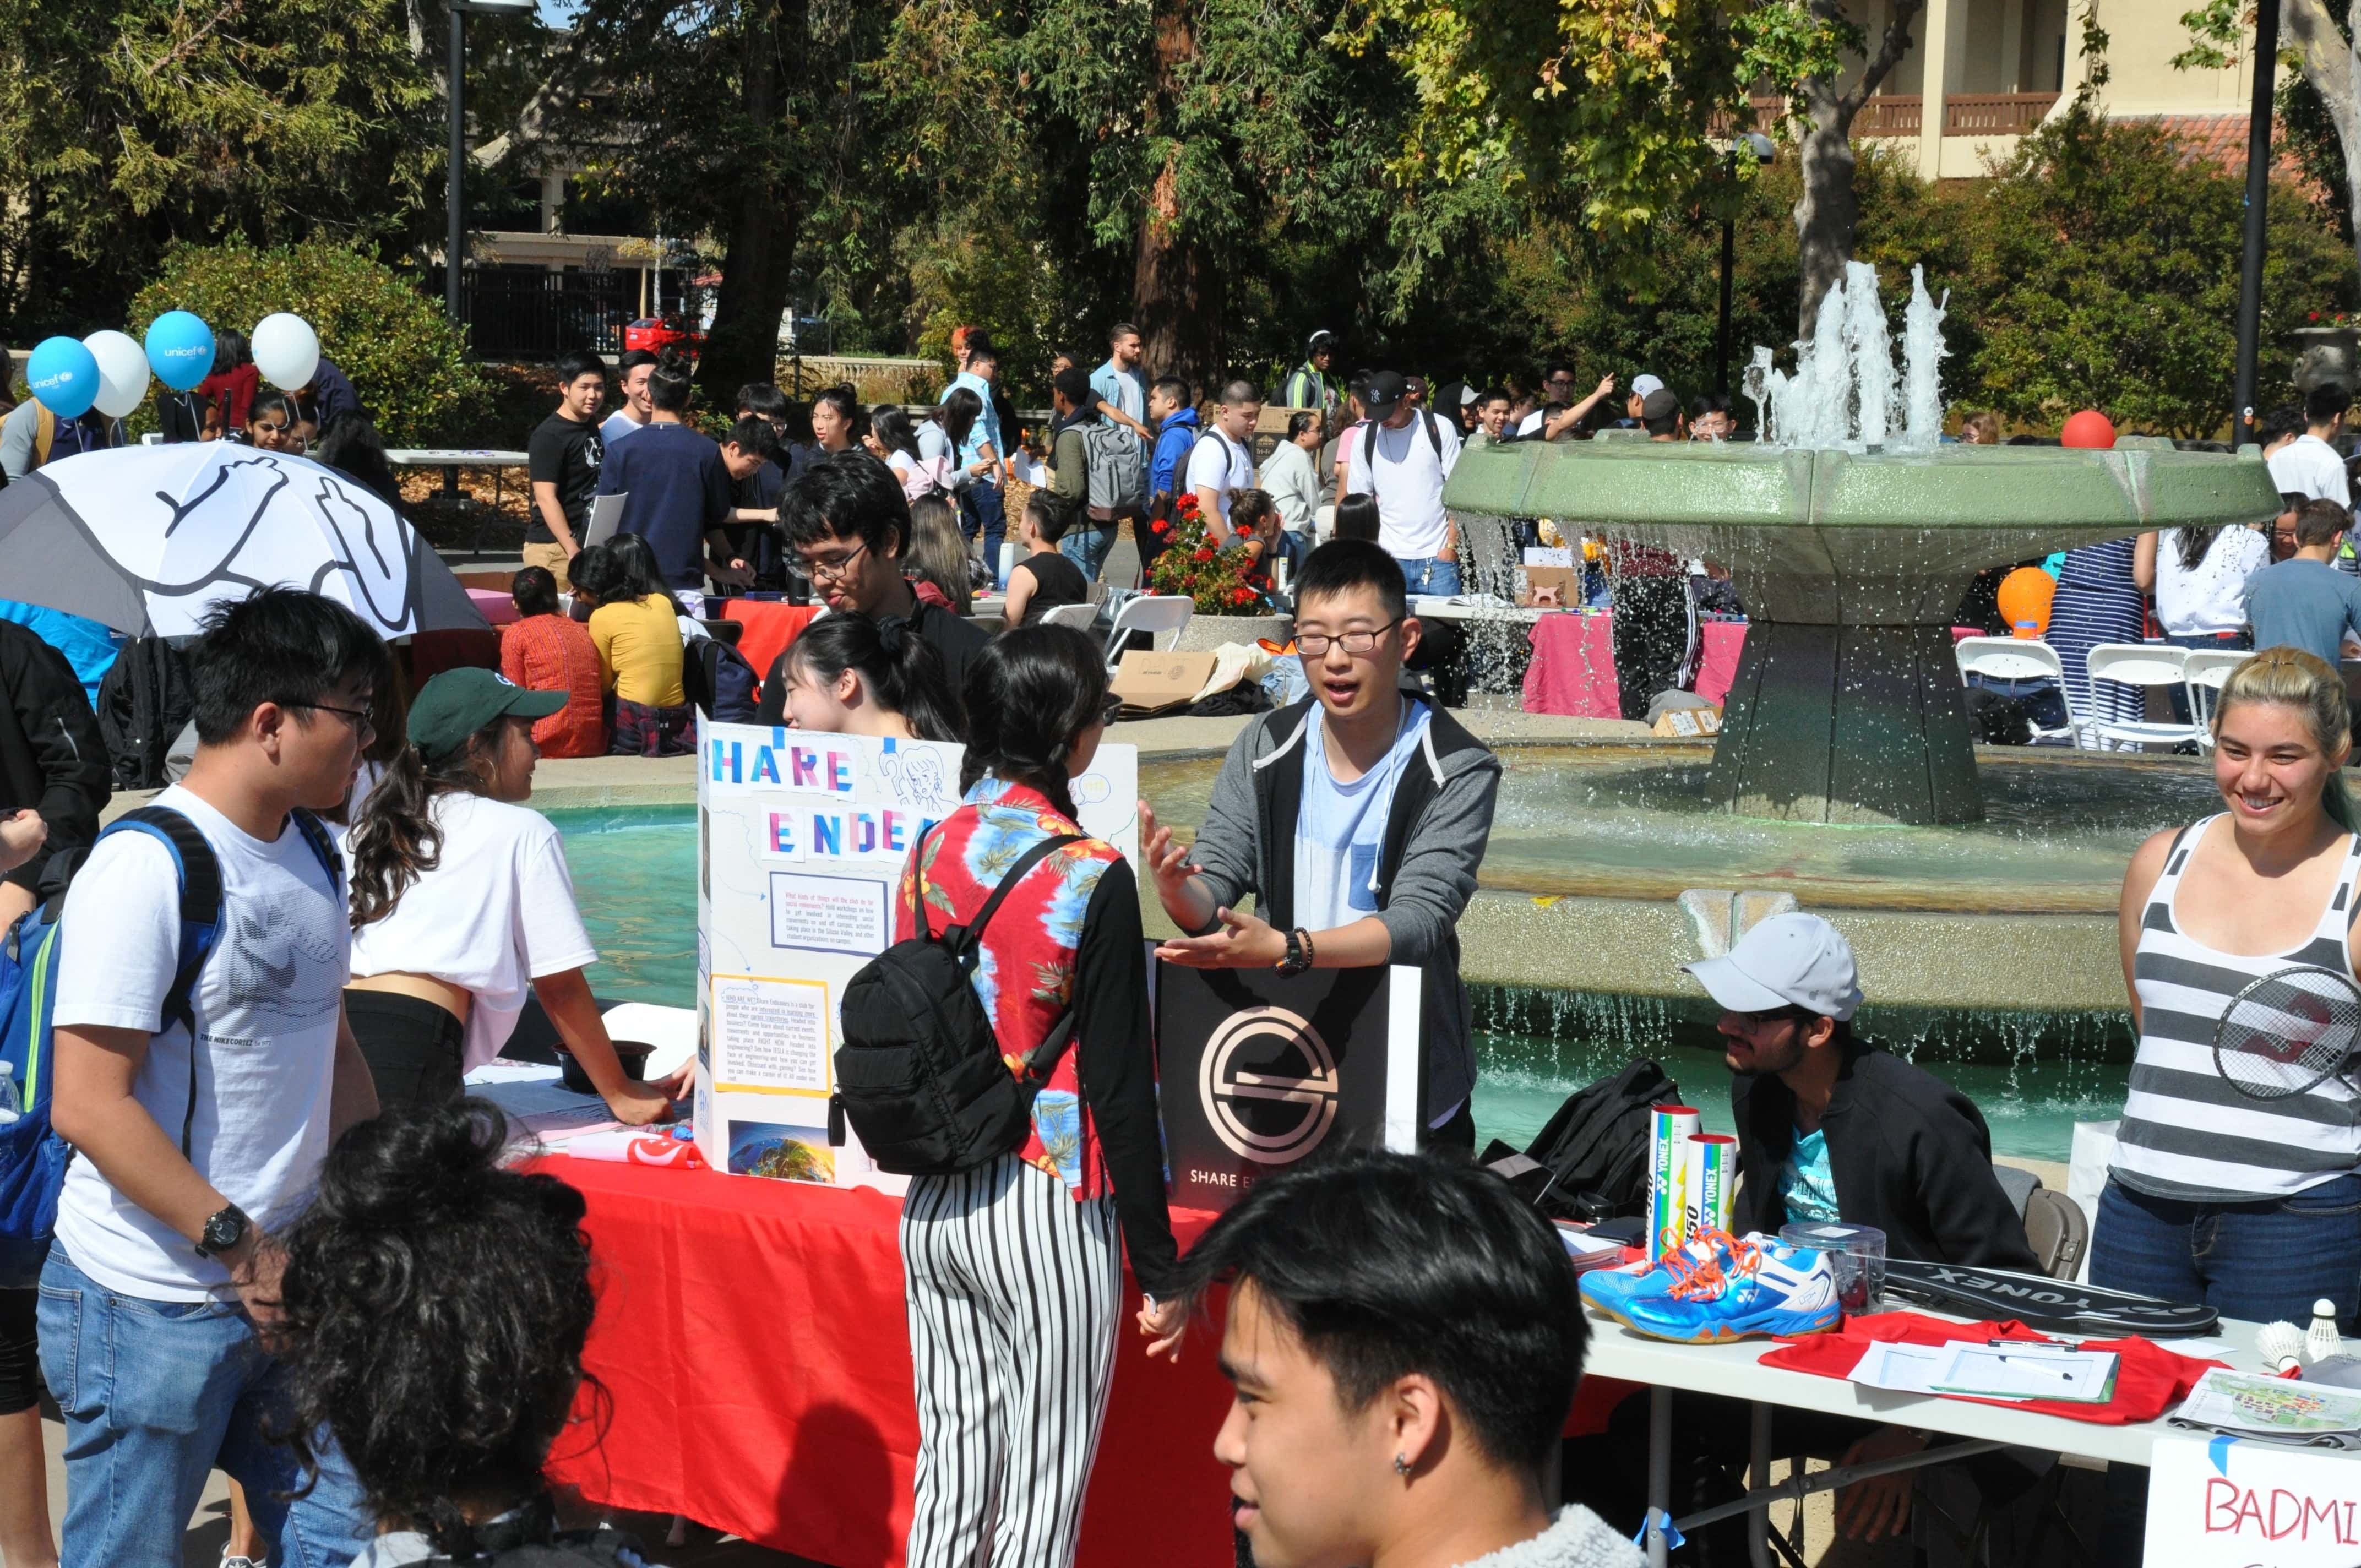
pixel 1162 616
pixel 2017 659
pixel 1075 615
pixel 2206 670
pixel 2144 664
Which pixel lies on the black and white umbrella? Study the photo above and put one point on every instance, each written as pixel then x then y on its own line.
pixel 145 539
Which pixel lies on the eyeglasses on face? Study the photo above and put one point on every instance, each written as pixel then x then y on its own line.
pixel 836 571
pixel 1314 645
pixel 364 726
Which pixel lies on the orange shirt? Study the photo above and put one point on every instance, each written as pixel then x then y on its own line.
pixel 549 653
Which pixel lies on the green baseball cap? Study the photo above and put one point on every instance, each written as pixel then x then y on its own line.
pixel 457 703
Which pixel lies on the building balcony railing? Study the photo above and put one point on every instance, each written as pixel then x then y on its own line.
pixel 1896 114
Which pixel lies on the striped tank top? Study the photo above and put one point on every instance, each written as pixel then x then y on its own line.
pixel 2186 1134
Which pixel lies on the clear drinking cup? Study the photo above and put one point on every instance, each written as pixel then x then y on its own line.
pixel 1856 1257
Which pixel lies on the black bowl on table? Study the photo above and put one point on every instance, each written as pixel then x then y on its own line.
pixel 631 1053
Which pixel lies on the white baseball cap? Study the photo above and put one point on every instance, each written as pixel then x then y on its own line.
pixel 1642 384
pixel 1788 960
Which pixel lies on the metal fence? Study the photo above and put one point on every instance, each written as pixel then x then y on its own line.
pixel 521 320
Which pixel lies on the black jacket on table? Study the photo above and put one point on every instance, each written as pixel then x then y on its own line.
pixel 52 755
pixel 1910 1155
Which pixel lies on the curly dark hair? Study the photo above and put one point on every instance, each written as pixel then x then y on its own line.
pixel 435 1307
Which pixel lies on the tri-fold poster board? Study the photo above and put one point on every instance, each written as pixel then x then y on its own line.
pixel 802 841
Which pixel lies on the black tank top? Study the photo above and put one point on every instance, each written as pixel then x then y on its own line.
pixel 1056 581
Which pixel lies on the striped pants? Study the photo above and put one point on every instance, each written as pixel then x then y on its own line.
pixel 1016 1294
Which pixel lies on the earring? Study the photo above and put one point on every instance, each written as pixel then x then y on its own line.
pixel 1401 1466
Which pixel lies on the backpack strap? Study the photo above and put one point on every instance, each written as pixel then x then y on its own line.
pixel 323 848
pixel 962 940
pixel 199 871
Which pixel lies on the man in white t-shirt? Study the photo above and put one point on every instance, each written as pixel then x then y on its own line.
pixel 2308 465
pixel 1221 462
pixel 1402 458
pixel 199 1129
pixel 631 373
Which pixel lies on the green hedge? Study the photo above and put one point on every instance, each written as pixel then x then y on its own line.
pixel 409 365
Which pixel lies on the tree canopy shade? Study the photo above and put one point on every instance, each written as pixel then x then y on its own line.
pixel 126 124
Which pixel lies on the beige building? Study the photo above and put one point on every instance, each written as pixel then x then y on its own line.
pixel 2006 64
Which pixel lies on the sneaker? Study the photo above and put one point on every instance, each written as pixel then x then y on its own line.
pixel 1608 1290
pixel 1770 1288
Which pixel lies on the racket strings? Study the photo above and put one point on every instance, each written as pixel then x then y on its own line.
pixel 2287 1033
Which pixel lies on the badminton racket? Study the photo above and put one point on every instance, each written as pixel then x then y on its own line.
pixel 2287 1033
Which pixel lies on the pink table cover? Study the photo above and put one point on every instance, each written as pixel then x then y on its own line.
pixel 1573 670
pixel 495 606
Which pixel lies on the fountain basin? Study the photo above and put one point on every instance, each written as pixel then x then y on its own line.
pixel 1846 707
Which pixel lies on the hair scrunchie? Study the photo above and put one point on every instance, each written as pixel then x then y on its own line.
pixel 891 630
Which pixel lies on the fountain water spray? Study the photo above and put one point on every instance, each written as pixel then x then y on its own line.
pixel 1922 349
pixel 1842 393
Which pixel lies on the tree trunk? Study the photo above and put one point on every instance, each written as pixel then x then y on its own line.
pixel 1827 211
pixel 759 251
pixel 2331 67
pixel 1177 296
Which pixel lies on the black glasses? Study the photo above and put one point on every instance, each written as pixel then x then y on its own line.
pixel 833 571
pixel 363 724
pixel 1109 709
pixel 1313 644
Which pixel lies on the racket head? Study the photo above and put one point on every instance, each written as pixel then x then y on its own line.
pixel 2287 1033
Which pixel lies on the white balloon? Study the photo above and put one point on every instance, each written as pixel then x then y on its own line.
pixel 122 372
pixel 286 350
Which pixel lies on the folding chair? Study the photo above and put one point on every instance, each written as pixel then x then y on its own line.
pixel 1074 615
pixel 2144 664
pixel 1163 617
pixel 2017 659
pixel 2206 671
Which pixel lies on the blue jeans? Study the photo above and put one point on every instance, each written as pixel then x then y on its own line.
pixel 1087 546
pixel 2258 1261
pixel 157 1394
pixel 981 511
pixel 1431 575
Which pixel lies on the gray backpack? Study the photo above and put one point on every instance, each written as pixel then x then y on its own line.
pixel 1118 476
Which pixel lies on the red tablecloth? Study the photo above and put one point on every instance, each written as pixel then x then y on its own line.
pixel 1573 670
pixel 754 1353
pixel 770 627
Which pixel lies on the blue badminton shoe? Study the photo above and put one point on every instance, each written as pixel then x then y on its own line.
pixel 1609 1289
pixel 1769 1287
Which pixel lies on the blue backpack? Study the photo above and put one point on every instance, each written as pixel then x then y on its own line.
pixel 33 1158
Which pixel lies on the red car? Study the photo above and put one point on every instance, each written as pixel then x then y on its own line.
pixel 656 333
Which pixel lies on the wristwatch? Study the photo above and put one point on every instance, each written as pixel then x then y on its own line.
pixel 1298 953
pixel 224 1230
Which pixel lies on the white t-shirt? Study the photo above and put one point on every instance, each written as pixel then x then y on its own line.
pixel 1222 466
pixel 1531 424
pixel 2213 597
pixel 618 425
pixel 267 1004
pixel 2309 465
pixel 496 914
pixel 1409 478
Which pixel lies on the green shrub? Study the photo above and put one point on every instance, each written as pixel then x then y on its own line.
pixel 410 367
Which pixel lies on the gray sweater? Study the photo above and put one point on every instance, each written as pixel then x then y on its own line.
pixel 1434 842
pixel 1578 1538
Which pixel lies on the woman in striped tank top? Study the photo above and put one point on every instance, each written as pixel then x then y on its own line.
pixel 2252 1207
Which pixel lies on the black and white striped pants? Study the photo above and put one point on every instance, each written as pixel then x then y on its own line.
pixel 1016 1294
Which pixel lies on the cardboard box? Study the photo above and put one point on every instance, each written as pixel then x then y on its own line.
pixel 1689 723
pixel 1564 582
pixel 1151 683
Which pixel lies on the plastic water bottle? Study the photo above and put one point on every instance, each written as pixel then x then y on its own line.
pixel 12 1104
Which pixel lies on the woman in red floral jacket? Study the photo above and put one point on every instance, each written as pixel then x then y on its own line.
pixel 1016 1267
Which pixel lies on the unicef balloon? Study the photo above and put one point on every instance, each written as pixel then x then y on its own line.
pixel 180 349
pixel 122 372
pixel 64 376
pixel 286 350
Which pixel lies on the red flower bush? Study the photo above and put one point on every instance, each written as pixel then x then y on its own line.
pixel 1214 580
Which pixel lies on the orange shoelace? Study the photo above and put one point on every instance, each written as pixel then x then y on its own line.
pixel 1695 1277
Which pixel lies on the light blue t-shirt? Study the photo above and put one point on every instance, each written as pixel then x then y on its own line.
pixel 1340 830
pixel 986 427
pixel 616 426
pixel 1805 1183
pixel 1124 388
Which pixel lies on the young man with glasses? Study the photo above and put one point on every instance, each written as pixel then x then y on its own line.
pixel 849 526
pixel 199 1115
pixel 1357 817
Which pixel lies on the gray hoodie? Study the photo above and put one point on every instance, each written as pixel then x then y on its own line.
pixel 1434 842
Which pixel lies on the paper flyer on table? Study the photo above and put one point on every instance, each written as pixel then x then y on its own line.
pixel 2246 1401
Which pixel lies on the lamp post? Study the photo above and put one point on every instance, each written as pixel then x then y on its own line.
pixel 1761 146
pixel 2259 191
pixel 455 243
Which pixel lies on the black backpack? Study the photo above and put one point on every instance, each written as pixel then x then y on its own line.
pixel 144 703
pixel 718 681
pixel 920 1074
pixel 1597 1144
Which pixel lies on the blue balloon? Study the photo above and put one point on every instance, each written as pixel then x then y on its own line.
pixel 179 350
pixel 64 376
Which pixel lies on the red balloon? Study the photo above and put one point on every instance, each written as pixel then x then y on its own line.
pixel 2090 428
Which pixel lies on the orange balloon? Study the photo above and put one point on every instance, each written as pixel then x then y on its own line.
pixel 2025 598
pixel 2089 429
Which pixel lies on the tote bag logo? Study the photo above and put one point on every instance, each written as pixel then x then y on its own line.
pixel 1267 1082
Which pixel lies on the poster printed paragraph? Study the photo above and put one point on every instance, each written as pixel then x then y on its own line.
pixel 830 914
pixel 771 1036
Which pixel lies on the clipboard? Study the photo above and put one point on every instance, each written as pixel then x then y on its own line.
pixel 605 518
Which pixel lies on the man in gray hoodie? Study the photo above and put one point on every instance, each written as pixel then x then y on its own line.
pixel 1357 817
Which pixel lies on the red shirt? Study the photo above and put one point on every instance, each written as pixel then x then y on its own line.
pixel 549 653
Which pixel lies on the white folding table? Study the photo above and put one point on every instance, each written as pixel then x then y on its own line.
pixel 1733 1371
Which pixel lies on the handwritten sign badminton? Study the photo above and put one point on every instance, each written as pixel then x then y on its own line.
pixel 2228 1502
pixel 802 838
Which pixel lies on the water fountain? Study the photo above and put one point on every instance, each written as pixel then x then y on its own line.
pixel 1850 540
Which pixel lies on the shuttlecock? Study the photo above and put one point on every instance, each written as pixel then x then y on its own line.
pixel 2320 1341
pixel 2280 1345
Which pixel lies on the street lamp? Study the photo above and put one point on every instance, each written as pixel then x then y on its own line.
pixel 456 243
pixel 2258 194
pixel 1761 147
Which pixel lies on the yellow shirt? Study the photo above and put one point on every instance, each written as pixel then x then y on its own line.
pixel 640 651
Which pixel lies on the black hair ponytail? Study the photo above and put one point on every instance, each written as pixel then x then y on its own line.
pixel 902 670
pixel 1030 694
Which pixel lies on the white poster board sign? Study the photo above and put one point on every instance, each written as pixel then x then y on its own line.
pixel 2227 1502
pixel 802 838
